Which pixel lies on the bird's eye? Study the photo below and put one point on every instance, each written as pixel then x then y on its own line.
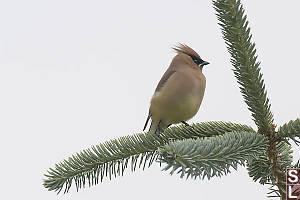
pixel 196 60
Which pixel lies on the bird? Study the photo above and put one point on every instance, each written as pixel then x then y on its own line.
pixel 180 91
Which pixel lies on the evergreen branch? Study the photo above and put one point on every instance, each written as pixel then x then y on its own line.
pixel 110 159
pixel 278 169
pixel 274 192
pixel 260 168
pixel 209 157
pixel 237 36
pixel 290 130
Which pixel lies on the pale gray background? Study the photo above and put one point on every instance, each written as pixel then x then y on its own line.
pixel 76 73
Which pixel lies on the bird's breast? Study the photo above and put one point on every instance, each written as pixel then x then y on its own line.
pixel 179 100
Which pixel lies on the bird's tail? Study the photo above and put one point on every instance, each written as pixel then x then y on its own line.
pixel 145 126
pixel 153 126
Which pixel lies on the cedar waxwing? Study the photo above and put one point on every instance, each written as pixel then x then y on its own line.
pixel 180 91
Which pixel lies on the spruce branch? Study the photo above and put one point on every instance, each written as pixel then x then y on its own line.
pixel 110 159
pixel 209 157
pixel 290 130
pixel 277 168
pixel 237 36
pixel 260 168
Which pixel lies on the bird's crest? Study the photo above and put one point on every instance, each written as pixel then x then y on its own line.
pixel 183 48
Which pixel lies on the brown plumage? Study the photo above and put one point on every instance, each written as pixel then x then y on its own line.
pixel 182 48
pixel 179 93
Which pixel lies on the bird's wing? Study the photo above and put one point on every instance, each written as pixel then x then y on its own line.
pixel 160 85
pixel 164 79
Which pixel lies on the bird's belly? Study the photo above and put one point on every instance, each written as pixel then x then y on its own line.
pixel 175 110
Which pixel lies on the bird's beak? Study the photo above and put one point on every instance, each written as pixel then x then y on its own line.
pixel 204 63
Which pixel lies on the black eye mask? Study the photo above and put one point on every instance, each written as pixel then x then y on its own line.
pixel 197 60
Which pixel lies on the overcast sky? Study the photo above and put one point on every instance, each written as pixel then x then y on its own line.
pixel 77 73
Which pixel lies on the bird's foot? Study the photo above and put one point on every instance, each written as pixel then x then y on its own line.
pixel 158 129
